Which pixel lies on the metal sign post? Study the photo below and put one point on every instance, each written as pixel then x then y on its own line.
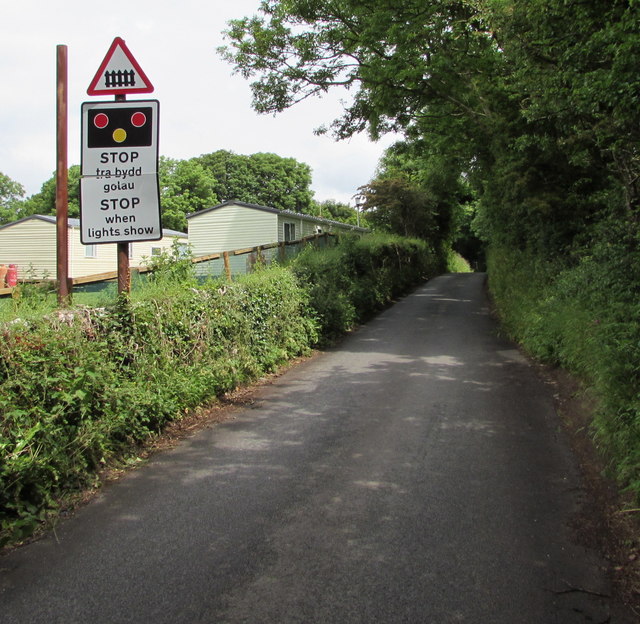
pixel 124 267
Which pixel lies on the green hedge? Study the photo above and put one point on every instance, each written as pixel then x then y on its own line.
pixel 79 389
pixel 584 317
pixel 76 390
pixel 348 283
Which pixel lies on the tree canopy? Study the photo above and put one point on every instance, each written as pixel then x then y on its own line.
pixel 534 102
pixel 263 178
pixel 396 58
pixel 337 211
pixel 11 193
pixel 522 115
pixel 187 186
pixel 44 202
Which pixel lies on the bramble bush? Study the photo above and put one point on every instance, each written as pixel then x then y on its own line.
pixel 81 388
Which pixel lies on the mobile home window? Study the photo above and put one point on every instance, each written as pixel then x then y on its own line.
pixel 289 231
pixel 90 251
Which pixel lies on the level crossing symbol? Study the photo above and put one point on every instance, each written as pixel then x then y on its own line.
pixel 119 73
pixel 119 188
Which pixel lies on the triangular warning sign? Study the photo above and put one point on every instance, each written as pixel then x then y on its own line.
pixel 119 73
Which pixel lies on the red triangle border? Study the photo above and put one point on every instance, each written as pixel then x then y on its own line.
pixel 93 87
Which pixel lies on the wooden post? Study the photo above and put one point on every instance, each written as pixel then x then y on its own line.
pixel 124 271
pixel 227 265
pixel 282 252
pixel 62 175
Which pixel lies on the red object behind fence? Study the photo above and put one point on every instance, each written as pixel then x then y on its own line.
pixel 12 275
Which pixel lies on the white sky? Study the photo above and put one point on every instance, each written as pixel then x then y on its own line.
pixel 203 108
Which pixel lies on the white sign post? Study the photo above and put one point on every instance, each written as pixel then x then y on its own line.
pixel 119 193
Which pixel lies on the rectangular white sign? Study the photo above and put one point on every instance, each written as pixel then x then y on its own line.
pixel 119 191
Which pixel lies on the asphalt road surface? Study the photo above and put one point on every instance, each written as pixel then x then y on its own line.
pixel 416 473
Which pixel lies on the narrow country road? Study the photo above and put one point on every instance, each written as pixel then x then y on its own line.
pixel 414 474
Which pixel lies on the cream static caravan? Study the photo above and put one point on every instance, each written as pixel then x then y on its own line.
pixel 235 225
pixel 30 244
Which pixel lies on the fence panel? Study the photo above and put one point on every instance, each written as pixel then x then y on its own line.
pixel 240 261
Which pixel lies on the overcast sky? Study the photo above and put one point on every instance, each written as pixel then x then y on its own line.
pixel 203 108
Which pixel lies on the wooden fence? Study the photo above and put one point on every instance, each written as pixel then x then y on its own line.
pixel 260 251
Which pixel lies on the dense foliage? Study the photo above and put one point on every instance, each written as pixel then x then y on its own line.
pixel 185 187
pixel 10 194
pixel 337 211
pixel 263 179
pixel 527 111
pixel 351 281
pixel 79 388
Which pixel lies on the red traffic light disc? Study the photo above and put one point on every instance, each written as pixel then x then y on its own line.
pixel 138 119
pixel 101 121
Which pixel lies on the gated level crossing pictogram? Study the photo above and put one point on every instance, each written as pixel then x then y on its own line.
pixel 119 73
pixel 120 78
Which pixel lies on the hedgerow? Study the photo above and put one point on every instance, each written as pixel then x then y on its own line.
pixel 585 317
pixel 348 283
pixel 81 388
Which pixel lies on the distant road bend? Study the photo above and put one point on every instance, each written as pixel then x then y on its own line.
pixel 414 474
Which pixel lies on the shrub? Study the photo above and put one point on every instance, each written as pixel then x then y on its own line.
pixel 351 281
pixel 585 317
pixel 81 387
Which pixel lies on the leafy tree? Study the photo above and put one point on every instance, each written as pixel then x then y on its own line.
pixel 185 187
pixel 10 194
pixel 534 102
pixel 574 65
pixel 230 172
pixel 397 205
pixel 44 202
pixel 336 211
pixel 397 58
pixel 265 179
pixel 411 66
pixel 283 182
pixel 420 193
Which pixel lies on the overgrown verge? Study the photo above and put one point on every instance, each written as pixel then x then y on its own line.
pixel 349 282
pixel 80 388
pixel 585 317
